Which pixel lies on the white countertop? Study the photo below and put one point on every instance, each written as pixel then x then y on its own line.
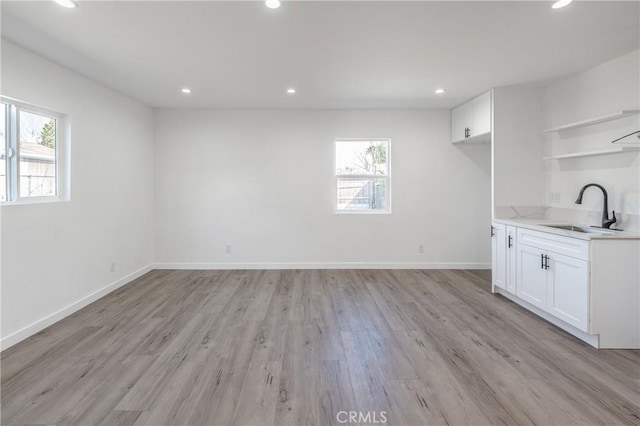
pixel 542 226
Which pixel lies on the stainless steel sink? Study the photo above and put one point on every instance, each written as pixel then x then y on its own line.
pixel 584 229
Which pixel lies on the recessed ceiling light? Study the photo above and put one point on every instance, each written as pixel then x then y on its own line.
pixel 440 91
pixel 272 4
pixel 186 90
pixel 70 4
pixel 561 3
pixel 291 91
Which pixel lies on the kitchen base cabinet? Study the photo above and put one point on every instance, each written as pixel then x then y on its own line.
pixel 589 338
pixel 498 256
pixel 589 287
pixel 555 283
pixel 531 275
pixel 503 257
pixel 512 259
pixel 568 290
pixel 615 293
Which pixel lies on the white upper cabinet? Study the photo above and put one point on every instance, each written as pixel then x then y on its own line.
pixel 481 107
pixel 471 121
pixel 461 122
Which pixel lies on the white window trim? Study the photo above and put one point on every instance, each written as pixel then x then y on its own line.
pixel 336 176
pixel 13 164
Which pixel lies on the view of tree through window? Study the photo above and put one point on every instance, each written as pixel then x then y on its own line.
pixel 28 152
pixel 37 155
pixel 362 175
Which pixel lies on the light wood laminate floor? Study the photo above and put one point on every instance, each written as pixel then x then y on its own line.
pixel 297 347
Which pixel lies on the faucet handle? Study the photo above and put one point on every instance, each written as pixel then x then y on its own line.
pixel 606 222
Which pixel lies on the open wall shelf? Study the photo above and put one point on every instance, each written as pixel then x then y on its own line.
pixel 592 153
pixel 602 119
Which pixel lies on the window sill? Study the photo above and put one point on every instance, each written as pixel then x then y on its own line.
pixel 38 200
pixel 374 212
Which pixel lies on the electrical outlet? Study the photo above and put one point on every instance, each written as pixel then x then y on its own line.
pixel 420 248
pixel 227 249
pixel 555 196
pixel 112 266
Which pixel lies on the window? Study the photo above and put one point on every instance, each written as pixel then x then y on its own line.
pixel 3 154
pixel 362 176
pixel 29 153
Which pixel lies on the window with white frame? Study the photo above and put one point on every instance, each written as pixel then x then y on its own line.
pixel 29 152
pixel 362 168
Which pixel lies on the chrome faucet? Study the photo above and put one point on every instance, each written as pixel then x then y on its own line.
pixel 606 222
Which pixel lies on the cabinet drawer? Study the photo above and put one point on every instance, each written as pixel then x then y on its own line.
pixel 567 246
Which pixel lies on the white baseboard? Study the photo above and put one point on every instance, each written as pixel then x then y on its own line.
pixel 30 330
pixel 324 265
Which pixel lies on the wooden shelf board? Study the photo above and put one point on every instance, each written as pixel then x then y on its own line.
pixel 481 138
pixel 593 153
pixel 596 120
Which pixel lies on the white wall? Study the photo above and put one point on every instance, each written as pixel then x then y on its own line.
pixel 609 87
pixel 517 152
pixel 56 256
pixel 262 181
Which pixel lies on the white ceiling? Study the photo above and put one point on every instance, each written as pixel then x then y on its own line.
pixel 336 54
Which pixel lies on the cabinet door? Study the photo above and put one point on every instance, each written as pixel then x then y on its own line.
pixel 531 283
pixel 461 119
pixel 499 256
pixel 481 114
pixel 568 290
pixel 512 257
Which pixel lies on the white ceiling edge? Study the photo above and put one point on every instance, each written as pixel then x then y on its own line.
pixel 83 65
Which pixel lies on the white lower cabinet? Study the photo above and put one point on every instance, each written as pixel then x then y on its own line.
pixel 512 259
pixel 499 256
pixel 556 283
pixel 588 287
pixel 531 284
pixel 503 257
pixel 568 290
